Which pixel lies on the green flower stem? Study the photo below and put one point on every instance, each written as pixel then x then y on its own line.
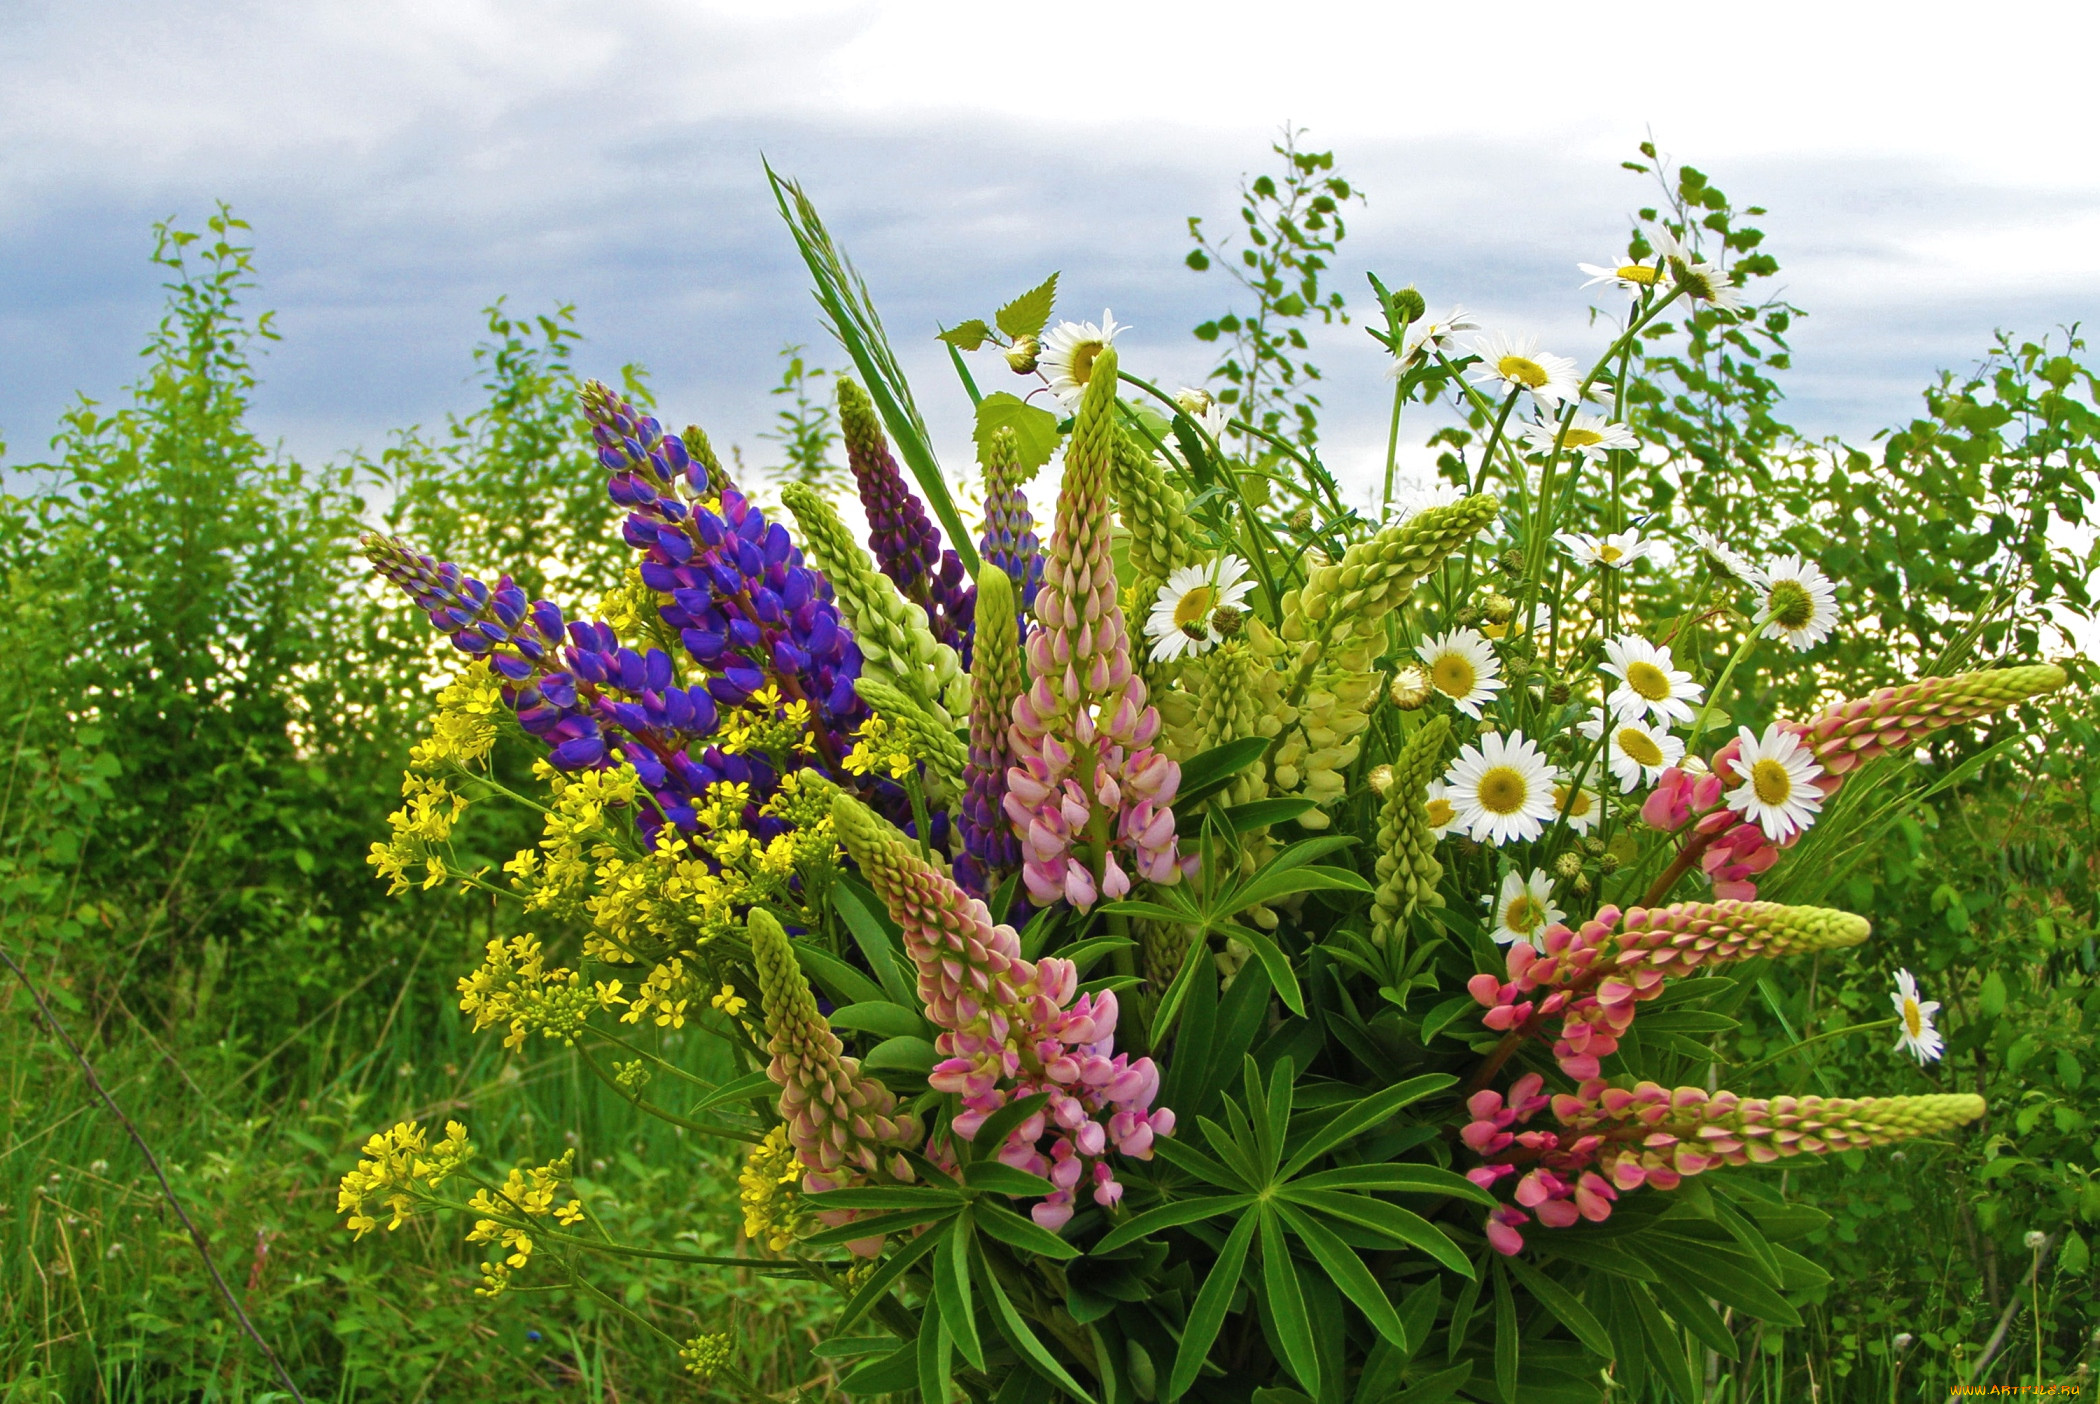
pixel 1713 698
pixel 917 794
pixel 673 1068
pixel 1793 1048
pixel 704 1128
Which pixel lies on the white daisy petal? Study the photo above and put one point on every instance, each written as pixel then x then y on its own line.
pixel 1463 667
pixel 1918 1038
pixel 1510 363
pixel 1180 622
pixel 1635 751
pixel 1589 435
pixel 1501 790
pixel 1631 276
pixel 1524 908
pixel 1649 681
pixel 1067 357
pixel 1799 603
pixel 1443 817
pixel 1428 335
pixel 1579 805
pixel 1778 793
pixel 1728 558
pixel 1614 552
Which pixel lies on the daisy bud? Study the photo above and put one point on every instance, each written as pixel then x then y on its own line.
pixel 1409 688
pixel 1498 608
pixel 1408 305
pixel 1510 562
pixel 1228 621
pixel 1381 778
pixel 1023 354
pixel 1568 864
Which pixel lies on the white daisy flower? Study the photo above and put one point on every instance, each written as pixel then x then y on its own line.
pixel 1541 621
pixel 1579 805
pixel 1919 1038
pixel 1649 681
pixel 1590 435
pixel 1799 604
pixel 1702 282
pixel 1437 801
pixel 1428 335
pixel 1067 359
pixel 1463 668
pixel 1516 363
pixel 1614 552
pixel 1524 908
pixel 1636 752
pixel 1502 790
pixel 1728 558
pixel 1180 623
pixel 1413 498
pixel 1778 792
pixel 1631 276
pixel 1203 407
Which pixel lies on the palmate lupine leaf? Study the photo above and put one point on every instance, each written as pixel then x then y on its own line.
pixel 850 315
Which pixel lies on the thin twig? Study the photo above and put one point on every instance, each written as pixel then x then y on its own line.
pixel 87 1070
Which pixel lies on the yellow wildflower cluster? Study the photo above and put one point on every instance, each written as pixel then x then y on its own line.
pixel 421 834
pixel 585 824
pixel 527 1194
pixel 395 1162
pixel 767 724
pixel 464 727
pixel 631 608
pixel 879 745
pixel 703 1355
pixel 513 986
pixel 769 1189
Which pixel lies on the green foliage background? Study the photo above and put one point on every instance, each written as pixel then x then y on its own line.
pixel 208 710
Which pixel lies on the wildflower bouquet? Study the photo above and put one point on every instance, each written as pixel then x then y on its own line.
pixel 1242 947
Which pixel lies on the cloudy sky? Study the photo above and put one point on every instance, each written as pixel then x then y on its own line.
pixel 404 164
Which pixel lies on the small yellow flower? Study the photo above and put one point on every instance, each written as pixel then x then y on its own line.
pixel 730 1002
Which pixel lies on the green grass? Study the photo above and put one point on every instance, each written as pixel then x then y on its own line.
pixel 102 1297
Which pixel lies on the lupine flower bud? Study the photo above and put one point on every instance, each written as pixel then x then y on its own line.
pixel 931 743
pixel 997 679
pixel 1089 793
pixel 842 1123
pixel 1011 1027
pixel 1009 540
pixel 906 544
pixel 1408 870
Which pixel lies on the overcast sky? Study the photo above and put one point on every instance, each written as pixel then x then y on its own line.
pixel 1930 177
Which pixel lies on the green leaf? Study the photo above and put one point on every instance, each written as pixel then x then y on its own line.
pixel 1667 1351
pixel 951 1285
pixel 1396 1179
pixel 879 1281
pixel 841 981
pixel 1182 1156
pixel 1349 1274
pixel 1277 964
pixel 1372 1111
pixel 1029 313
pixel 1687 1306
pixel 934 1382
pixel 1035 429
pixel 1991 998
pixel 1260 814
pixel 1438 1387
pixel 997 1177
pixel 1207 1315
pixel 880 1017
pixel 1207 772
pixel 846 1347
pixel 740 1089
pixel 1166 1216
pixel 1447 1013
pixel 1022 1339
pixel 1084 953
pixel 1151 911
pixel 908 1053
pixel 873 932
pixel 966 336
pixel 1266 887
pixel 1596 1253
pixel 1403 1226
pixel 1018 1232
pixel 1001 1123
pixel 899 1370
pixel 1565 1306
pixel 891 1197
pixel 878 1224
pixel 1507 1346
pixel 1286 1297
pixel 1726 1275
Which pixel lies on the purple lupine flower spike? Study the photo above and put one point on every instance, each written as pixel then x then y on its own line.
pixel 1009 539
pixel 902 538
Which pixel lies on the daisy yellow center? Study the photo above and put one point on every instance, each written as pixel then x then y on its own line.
pixel 1503 790
pixel 1582 438
pixel 1575 805
pixel 1648 680
pixel 1607 553
pixel 1521 370
pixel 1193 606
pixel 1638 273
pixel 1790 604
pixel 1770 782
pixel 1913 1017
pixel 1439 813
pixel 1453 674
pixel 1638 745
pixel 1083 360
pixel 1523 914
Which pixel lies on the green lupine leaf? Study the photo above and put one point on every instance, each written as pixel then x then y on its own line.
pixel 1666 1347
pixel 1597 1253
pixel 750 1085
pixel 874 933
pixel 1438 1387
pixel 1260 814
pixel 880 1223
pixel 934 1382
pixel 1235 1150
pixel 908 1053
pixel 1401 1225
pixel 1726 1275
pixel 997 1177
pixel 1021 1338
pixel 1166 1216
pixel 1687 1306
pixel 884 1197
pixel 1371 1112
pixel 1286 1298
pixel 1264 888
pixel 841 981
pixel 880 1017
pixel 1029 313
pixel 1565 1306
pixel 1017 1231
pixel 1275 962
pixel 951 1285
pixel 1001 1123
pixel 1182 1156
pixel 1207 1315
pixel 899 1370
pixel 879 1281
pixel 1349 1274
pixel 1396 1179
pixel 1207 772
pixel 1507 1347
